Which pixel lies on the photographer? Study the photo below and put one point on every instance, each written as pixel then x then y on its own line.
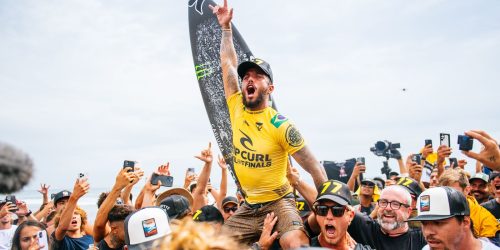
pixel 106 234
pixel 69 233
pixel 7 229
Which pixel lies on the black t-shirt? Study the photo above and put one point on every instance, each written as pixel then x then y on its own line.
pixel 365 230
pixel 103 245
pixel 492 206
pixel 315 243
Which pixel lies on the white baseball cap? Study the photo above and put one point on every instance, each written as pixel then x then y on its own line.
pixel 441 203
pixel 144 226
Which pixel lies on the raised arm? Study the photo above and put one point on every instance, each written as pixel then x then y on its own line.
pixel 199 198
pixel 80 189
pixel 358 168
pixel 122 180
pixel 309 163
pixel 228 57
pixel 223 182
pixel 307 191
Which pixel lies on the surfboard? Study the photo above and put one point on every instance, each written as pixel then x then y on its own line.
pixel 205 35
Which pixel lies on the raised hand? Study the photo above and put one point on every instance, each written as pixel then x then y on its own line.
pixel 443 152
pixel 81 188
pixel 293 176
pixel 23 208
pixel 206 155
pixel 164 170
pixel 138 174
pixel 224 14
pixel 358 169
pixel 490 154
pixel 124 178
pixel 44 189
pixel 222 162
pixel 427 151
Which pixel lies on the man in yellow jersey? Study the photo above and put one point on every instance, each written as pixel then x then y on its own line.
pixel 262 139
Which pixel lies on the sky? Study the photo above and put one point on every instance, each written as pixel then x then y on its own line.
pixel 86 84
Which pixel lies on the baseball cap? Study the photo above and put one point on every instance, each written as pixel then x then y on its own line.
pixel 175 206
pixel 335 191
pixel 208 213
pixel 255 63
pixel 441 203
pixel 229 199
pixel 60 195
pixel 178 191
pixel 368 181
pixel 410 184
pixel 480 176
pixel 380 182
pixel 494 175
pixel 144 226
pixel 302 206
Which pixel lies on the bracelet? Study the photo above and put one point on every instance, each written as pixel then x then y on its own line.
pixel 256 246
pixel 229 29
pixel 28 213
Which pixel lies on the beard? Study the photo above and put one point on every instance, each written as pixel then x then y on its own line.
pixel 256 103
pixel 393 225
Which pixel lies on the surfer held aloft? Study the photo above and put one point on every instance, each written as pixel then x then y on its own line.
pixel 262 140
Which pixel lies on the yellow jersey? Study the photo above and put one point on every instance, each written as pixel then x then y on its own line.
pixel 262 141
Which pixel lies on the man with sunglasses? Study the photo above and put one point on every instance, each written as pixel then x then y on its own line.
pixel 390 230
pixel 229 207
pixel 334 213
pixel 366 197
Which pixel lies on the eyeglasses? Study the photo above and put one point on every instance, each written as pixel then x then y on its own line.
pixel 395 205
pixel 229 209
pixel 322 210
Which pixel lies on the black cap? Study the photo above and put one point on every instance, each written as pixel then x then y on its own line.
pixel 370 181
pixel 175 205
pixel 410 184
pixel 208 213
pixel 60 195
pixel 302 206
pixel 229 199
pixel 335 191
pixel 441 203
pixel 393 173
pixel 255 63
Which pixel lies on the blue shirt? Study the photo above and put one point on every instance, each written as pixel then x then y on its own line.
pixel 72 243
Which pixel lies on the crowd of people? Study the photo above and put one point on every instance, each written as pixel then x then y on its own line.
pixel 273 207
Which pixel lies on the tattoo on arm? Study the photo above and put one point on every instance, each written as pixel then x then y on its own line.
pixel 309 163
pixel 229 62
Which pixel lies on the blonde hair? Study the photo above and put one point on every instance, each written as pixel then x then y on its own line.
pixel 190 235
pixel 452 176
pixel 79 211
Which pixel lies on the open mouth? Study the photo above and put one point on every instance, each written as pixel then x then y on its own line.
pixel 330 230
pixel 250 90
pixel 497 187
pixel 74 222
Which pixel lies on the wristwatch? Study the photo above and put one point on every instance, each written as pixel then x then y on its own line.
pixel 256 246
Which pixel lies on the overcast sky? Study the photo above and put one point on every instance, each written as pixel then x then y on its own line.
pixel 86 84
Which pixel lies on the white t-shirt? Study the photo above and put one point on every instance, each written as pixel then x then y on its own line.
pixel 485 245
pixel 6 237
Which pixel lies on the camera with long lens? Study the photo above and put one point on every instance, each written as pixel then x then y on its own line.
pixel 384 148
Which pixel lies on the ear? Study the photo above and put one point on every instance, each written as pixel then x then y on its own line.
pixel 270 89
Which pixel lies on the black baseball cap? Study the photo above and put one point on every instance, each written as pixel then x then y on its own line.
pixel 410 184
pixel 335 191
pixel 441 203
pixel 255 63
pixel 208 213
pixel 175 206
pixel 229 199
pixel 61 195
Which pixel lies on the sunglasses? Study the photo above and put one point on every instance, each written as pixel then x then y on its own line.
pixel 337 211
pixel 229 209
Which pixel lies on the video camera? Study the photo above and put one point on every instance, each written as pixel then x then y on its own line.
pixel 384 148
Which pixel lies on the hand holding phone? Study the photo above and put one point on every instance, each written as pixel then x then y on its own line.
pixel 166 181
pixel 130 164
pixel 428 142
